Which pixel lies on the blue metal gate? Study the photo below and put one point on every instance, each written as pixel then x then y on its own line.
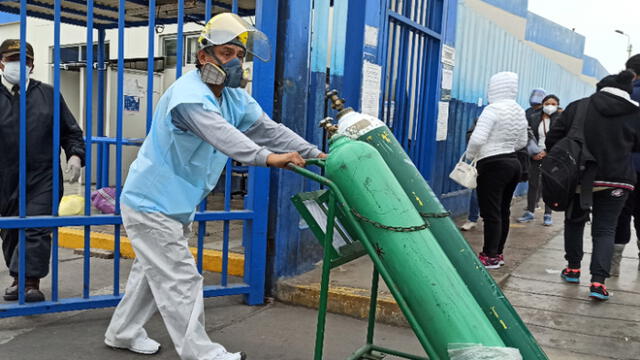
pixel 411 43
pixel 102 15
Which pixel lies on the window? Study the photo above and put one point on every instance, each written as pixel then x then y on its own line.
pixel 70 54
pixel 189 46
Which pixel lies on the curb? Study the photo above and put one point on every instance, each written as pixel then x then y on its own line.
pixel 212 259
pixel 348 301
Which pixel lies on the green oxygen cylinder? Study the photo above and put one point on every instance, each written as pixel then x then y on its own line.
pixel 495 305
pixel 443 306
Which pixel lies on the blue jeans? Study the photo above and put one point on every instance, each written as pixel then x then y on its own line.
pixel 474 209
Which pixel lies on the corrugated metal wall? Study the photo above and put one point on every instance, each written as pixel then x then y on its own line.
pixel 483 49
pixel 547 33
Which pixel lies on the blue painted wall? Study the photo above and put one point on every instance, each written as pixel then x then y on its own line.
pixel 516 7
pixel 6 18
pixel 554 36
pixel 593 68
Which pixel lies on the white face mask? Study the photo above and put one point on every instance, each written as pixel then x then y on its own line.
pixel 549 109
pixel 12 71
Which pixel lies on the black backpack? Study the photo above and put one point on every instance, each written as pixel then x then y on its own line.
pixel 567 165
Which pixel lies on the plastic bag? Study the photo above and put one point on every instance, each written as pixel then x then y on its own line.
pixel 481 352
pixel 71 205
pixel 104 200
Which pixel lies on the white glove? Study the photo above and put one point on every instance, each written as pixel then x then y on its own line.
pixel 74 165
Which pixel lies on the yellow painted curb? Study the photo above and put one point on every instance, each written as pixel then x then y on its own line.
pixel 212 259
pixel 342 300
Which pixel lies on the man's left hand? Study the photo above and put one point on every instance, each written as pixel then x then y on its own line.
pixel 322 156
pixel 74 165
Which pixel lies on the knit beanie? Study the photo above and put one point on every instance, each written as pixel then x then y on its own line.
pixel 622 81
pixel 536 96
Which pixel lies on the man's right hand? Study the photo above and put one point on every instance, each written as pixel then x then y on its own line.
pixel 281 160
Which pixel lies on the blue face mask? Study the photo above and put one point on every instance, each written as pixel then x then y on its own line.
pixel 235 74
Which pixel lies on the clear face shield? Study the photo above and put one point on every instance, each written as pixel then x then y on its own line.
pixel 225 27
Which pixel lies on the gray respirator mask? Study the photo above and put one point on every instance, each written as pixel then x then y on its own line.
pixel 230 75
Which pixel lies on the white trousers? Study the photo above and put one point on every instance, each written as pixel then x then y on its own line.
pixel 163 277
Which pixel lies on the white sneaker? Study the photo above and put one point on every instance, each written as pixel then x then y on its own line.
pixel 469 225
pixel 232 356
pixel 145 346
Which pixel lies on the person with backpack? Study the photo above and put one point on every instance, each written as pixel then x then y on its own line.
pixel 500 131
pixel 540 123
pixel 607 125
pixel 632 206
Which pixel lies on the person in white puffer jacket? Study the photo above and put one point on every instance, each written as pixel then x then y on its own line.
pixel 500 131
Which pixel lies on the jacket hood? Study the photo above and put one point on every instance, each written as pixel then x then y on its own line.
pixel 503 86
pixel 611 105
pixel 636 90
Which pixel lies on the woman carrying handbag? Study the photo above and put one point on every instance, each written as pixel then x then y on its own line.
pixel 500 131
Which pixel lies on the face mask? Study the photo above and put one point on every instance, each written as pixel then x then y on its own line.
pixel 549 109
pixel 235 74
pixel 230 74
pixel 12 72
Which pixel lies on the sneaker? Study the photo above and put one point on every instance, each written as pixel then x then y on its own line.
pixel 232 356
pixel 469 225
pixel 526 217
pixel 547 220
pixel 570 275
pixel 501 259
pixel 598 291
pixel 489 262
pixel 146 346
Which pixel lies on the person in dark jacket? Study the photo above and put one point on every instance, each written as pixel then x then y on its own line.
pixel 540 123
pixel 611 133
pixel 39 165
pixel 632 206
pixel 535 100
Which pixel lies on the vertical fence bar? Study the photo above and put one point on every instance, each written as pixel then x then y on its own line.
pixel 151 61
pixel 88 133
pixel 100 180
pixel 202 230
pixel 180 39
pixel 120 104
pixel 56 147
pixel 120 101
pixel 22 176
pixel 202 225
pixel 225 232
pixel 207 10
pixel 258 184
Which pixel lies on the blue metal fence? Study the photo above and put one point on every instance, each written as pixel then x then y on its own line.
pixel 254 214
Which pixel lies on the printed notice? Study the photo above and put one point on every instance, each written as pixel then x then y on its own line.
pixel 370 100
pixel 447 79
pixel 371 36
pixel 443 121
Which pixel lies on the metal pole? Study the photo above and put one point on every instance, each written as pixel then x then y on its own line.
pixel 88 136
pixel 56 147
pixel 22 176
pixel 101 180
pixel 179 39
pixel 324 285
pixel 151 61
